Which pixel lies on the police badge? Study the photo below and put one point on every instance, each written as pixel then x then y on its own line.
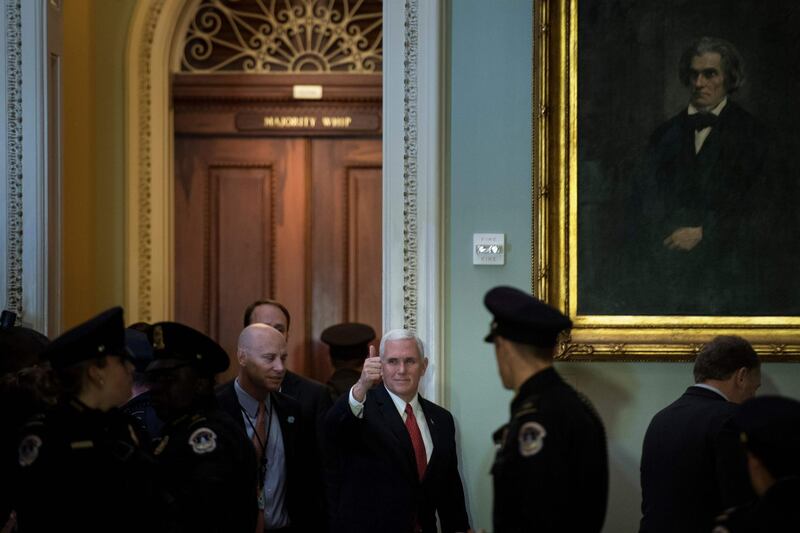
pixel 203 440
pixel 29 450
pixel 531 439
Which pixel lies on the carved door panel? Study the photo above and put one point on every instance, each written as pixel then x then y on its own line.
pixel 346 240
pixel 240 234
pixel 293 219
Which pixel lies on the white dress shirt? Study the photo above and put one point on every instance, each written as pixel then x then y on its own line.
pixel 357 409
pixel 701 136
pixel 709 387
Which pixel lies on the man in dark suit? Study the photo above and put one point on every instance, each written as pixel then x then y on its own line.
pixel 692 464
pixel 312 395
pixel 397 451
pixel 698 245
pixel 555 443
pixel 274 423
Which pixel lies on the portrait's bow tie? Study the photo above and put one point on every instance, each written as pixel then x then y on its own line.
pixel 699 121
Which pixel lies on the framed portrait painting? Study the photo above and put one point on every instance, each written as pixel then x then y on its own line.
pixel 667 174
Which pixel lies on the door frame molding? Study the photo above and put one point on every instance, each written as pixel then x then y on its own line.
pixel 30 195
pixel 413 173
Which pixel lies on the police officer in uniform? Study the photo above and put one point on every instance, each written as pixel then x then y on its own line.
pixel 208 462
pixel 551 467
pixel 770 432
pixel 24 391
pixel 349 346
pixel 80 465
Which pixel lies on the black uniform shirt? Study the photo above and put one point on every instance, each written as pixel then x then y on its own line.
pixel 551 468
pixel 80 469
pixel 210 470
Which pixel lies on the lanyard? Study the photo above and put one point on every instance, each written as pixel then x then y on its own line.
pixel 264 460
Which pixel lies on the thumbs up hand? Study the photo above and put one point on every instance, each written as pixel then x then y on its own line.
pixel 370 375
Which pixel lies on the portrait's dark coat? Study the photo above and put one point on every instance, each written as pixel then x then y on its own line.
pixel 693 466
pixel 379 487
pixel 729 188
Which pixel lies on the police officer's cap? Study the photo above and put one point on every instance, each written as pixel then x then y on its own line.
pixel 99 336
pixel 520 317
pixel 175 345
pixel 348 341
pixel 770 430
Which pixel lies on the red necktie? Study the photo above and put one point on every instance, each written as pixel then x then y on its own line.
pixel 416 441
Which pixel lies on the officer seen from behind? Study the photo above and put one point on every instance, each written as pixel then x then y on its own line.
pixel 208 462
pixel 553 451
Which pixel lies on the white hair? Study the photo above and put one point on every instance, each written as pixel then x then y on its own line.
pixel 401 335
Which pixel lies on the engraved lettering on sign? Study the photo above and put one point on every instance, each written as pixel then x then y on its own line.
pixel 290 122
pixel 336 122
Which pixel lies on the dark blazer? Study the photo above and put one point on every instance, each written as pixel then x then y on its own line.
pixel 379 486
pixel 693 466
pixel 296 445
pixel 313 396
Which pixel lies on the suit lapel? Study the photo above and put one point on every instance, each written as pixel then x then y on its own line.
pixel 286 420
pixel 229 403
pixel 437 438
pixel 396 429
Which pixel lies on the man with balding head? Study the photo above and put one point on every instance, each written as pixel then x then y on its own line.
pixel 273 422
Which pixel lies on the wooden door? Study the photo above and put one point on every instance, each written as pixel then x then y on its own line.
pixel 346 240
pixel 293 219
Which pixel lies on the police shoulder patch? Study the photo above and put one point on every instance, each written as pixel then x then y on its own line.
pixel 531 438
pixel 29 450
pixel 203 440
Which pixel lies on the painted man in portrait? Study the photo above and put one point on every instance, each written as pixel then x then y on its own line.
pixel 702 232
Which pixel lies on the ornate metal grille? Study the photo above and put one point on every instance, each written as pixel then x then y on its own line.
pixel 288 36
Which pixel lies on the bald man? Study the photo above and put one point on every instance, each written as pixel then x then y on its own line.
pixel 274 424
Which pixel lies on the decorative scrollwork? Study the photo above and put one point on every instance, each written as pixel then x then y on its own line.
pixel 410 168
pixel 13 18
pixel 567 349
pixel 290 36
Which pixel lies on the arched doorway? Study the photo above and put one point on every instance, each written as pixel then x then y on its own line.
pixel 412 168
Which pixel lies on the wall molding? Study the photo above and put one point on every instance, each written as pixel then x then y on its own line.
pixel 413 178
pixel 13 192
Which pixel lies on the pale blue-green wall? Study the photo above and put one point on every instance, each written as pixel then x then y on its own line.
pixel 489 190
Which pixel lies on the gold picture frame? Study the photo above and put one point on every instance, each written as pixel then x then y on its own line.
pixel 555 245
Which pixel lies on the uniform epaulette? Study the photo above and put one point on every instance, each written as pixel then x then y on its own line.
pixel 526 408
pixel 36 421
pixel 197 418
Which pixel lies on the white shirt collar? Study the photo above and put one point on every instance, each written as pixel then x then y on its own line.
pixel 709 387
pixel 716 111
pixel 400 403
